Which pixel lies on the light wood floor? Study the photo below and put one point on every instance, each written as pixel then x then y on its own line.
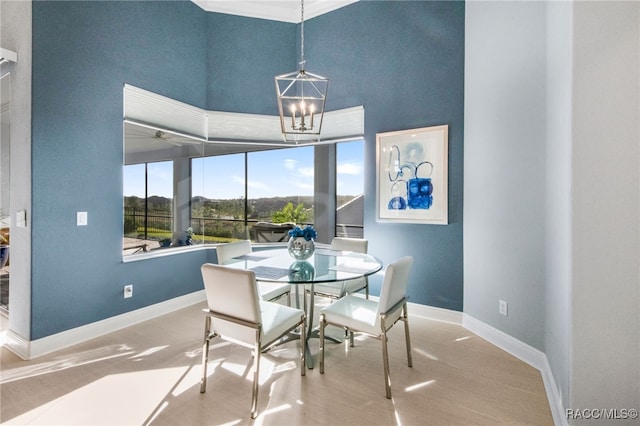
pixel 149 374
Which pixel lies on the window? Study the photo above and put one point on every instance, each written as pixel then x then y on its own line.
pixel 148 208
pixel 279 177
pixel 228 195
pixel 218 208
pixel 350 189
pixel 228 206
pixel 181 187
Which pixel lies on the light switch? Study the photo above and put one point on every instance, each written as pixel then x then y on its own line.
pixel 21 219
pixel 82 218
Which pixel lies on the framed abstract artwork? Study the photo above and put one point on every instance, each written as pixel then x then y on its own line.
pixel 412 173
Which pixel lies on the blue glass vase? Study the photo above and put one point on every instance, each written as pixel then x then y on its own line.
pixel 300 248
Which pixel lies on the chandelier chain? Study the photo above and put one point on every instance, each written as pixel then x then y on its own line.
pixel 302 34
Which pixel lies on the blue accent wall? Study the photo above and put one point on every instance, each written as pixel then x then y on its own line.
pixel 403 61
pixel 243 57
pixel 83 53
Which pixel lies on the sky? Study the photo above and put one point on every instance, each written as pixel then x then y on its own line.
pixel 271 174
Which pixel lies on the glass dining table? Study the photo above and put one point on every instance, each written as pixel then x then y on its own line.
pixel 324 266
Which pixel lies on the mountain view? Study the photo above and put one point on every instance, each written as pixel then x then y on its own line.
pixel 219 219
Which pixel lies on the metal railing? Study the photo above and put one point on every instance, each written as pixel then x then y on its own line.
pixel 136 223
pixel 136 219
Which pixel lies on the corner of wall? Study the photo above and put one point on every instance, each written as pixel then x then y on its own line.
pixel 16 24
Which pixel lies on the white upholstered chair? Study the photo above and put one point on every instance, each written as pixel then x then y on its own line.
pixel 339 289
pixel 269 291
pixel 238 314
pixel 356 314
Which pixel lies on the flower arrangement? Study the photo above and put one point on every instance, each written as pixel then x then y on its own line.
pixel 308 232
pixel 302 248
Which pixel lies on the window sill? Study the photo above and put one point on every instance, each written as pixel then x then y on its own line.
pixel 173 251
pixel 169 251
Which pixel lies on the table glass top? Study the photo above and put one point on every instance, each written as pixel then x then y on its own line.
pixel 325 265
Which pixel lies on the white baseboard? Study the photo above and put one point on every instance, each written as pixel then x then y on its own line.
pixel 525 353
pixel 16 344
pixel 32 349
pixel 515 347
pixel 433 313
pixel 555 402
pixel 528 354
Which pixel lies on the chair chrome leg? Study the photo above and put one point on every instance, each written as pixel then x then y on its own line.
pixel 385 362
pixel 322 325
pixel 205 354
pixel 366 287
pixel 406 334
pixel 303 346
pixel 256 376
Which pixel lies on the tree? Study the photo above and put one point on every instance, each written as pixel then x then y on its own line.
pixel 290 214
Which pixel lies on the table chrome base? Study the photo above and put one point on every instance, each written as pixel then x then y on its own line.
pixel 296 336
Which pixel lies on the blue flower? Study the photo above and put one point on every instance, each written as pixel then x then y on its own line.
pixel 308 232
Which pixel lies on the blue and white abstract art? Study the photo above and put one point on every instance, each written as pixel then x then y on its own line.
pixel 412 175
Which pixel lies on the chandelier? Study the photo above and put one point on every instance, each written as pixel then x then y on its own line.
pixel 301 99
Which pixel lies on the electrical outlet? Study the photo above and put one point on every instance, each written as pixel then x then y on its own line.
pixel 128 290
pixel 502 308
pixel 82 218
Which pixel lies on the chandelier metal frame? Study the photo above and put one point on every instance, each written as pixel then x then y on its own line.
pixel 302 95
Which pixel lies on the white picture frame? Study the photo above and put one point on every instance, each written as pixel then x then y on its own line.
pixel 412 176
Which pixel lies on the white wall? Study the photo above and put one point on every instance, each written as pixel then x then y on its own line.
pixel 568 263
pixel 5 140
pixel 558 190
pixel 15 35
pixel 605 342
pixel 504 166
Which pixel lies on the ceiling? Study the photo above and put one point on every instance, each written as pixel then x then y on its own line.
pixel 275 10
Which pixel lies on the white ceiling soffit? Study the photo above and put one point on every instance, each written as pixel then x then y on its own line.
pixel 7 55
pixel 150 108
pixel 155 124
pixel 340 125
pixel 275 10
pixel 5 99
